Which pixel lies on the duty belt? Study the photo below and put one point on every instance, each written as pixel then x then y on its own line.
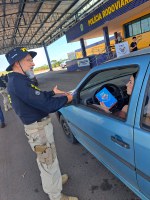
pixel 43 119
pixel 39 124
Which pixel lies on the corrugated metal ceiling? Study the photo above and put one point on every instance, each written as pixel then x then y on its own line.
pixel 31 23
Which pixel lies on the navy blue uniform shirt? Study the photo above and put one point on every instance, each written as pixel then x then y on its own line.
pixel 29 102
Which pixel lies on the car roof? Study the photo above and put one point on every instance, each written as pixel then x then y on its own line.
pixel 135 53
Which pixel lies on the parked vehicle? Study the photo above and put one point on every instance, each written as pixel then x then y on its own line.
pixel 120 142
pixel 63 64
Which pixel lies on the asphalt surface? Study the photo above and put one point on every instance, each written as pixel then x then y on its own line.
pixel 19 174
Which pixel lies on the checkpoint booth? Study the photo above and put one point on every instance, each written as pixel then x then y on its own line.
pixel 78 64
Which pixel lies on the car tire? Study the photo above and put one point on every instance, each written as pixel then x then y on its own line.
pixel 67 130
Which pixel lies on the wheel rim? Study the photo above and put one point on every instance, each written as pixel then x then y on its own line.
pixel 66 128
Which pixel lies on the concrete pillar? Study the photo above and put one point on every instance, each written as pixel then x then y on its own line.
pixel 83 47
pixel 106 39
pixel 47 56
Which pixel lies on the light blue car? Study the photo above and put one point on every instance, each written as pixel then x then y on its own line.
pixel 118 136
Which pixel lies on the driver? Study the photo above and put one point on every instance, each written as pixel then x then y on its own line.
pixel 129 86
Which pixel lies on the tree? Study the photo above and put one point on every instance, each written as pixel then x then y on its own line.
pixel 55 63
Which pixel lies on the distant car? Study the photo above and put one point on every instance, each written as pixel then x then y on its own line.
pixel 120 142
pixel 63 64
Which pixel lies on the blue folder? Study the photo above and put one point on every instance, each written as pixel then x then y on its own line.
pixel 106 97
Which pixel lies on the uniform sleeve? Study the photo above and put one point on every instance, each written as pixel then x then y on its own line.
pixel 50 93
pixel 43 101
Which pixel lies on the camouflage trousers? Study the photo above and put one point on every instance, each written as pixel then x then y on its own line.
pixel 41 140
pixel 7 105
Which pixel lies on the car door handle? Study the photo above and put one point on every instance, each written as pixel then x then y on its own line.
pixel 117 139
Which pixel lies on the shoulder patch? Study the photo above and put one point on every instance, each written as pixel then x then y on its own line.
pixel 37 92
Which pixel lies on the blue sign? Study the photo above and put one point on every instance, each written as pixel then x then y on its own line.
pixel 106 12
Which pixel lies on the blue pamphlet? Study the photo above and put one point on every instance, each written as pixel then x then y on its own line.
pixel 106 97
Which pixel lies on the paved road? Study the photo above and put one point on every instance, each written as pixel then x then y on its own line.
pixel 19 175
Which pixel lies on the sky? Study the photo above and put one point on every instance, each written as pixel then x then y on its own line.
pixel 57 51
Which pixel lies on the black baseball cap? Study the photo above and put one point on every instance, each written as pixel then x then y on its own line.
pixel 17 54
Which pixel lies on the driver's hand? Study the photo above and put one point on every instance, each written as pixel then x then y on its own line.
pixel 125 109
pixel 103 107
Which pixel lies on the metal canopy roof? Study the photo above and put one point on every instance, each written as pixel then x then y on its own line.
pixel 31 23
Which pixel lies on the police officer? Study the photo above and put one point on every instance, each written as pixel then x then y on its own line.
pixel 3 92
pixel 2 120
pixel 33 107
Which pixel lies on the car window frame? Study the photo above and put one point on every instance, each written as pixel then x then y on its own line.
pixel 136 66
pixel 142 125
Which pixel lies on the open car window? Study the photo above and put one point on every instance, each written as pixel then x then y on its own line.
pixel 114 81
pixel 107 75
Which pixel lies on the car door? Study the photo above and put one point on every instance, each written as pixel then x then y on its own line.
pixel 109 139
pixel 142 138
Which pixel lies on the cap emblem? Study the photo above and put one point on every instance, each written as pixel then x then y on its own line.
pixel 24 49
